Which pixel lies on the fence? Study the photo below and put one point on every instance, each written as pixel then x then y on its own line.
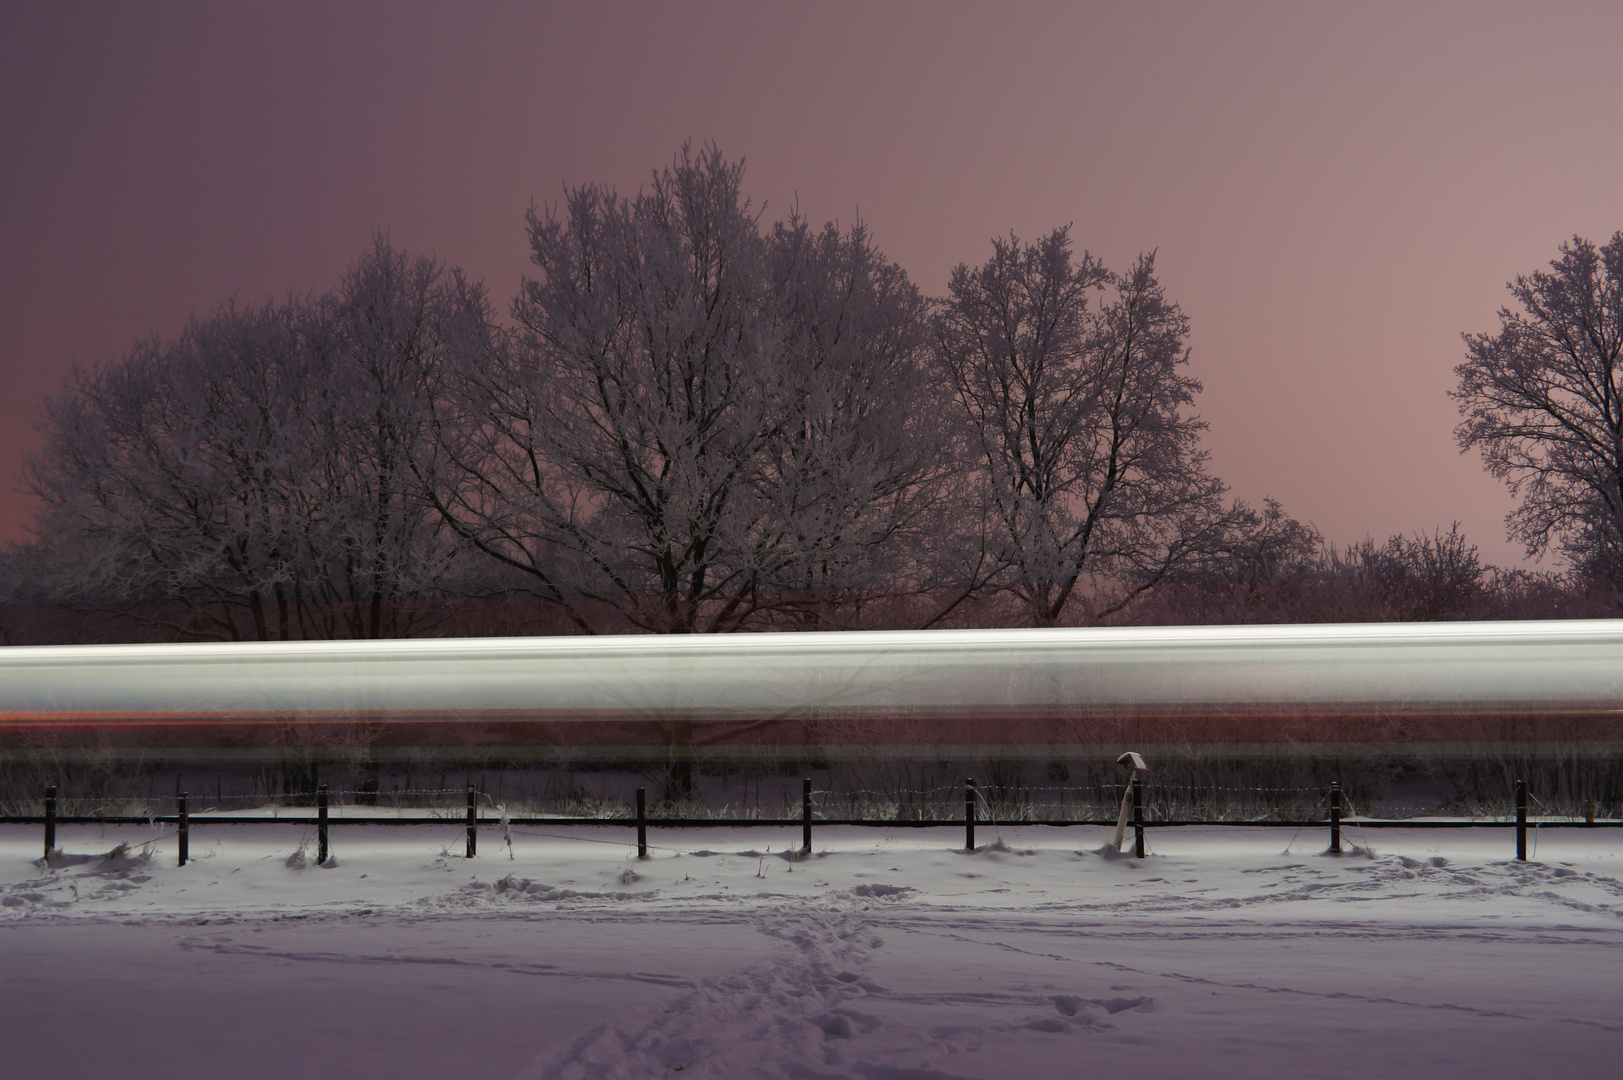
pixel 977 808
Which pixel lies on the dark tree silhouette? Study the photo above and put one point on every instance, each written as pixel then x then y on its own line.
pixel 1542 401
pixel 1073 381
pixel 695 425
pixel 252 477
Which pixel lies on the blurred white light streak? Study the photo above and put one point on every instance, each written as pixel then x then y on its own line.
pixel 1455 665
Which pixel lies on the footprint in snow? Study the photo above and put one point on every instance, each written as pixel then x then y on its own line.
pixel 1070 1005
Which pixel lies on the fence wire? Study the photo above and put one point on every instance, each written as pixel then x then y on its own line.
pixel 1004 804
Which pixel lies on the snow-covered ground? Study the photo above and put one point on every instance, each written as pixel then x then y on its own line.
pixel 886 955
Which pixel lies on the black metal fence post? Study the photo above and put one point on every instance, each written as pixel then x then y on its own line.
pixel 1138 817
pixel 969 814
pixel 321 824
pixel 642 823
pixel 805 815
pixel 1335 818
pixel 1521 820
pixel 50 820
pixel 185 827
pixel 473 824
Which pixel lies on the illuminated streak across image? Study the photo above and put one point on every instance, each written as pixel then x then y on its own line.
pixel 1314 687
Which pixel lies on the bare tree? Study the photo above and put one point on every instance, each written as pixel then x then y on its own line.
pixel 861 477
pixel 167 473
pixel 253 470
pixel 1259 549
pixel 693 420
pixel 1416 578
pixel 1073 383
pixel 377 549
pixel 1542 401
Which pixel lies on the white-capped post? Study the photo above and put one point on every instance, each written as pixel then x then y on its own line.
pixel 1138 766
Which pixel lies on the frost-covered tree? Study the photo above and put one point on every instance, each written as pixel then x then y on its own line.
pixel 252 473
pixel 861 479
pixel 1073 381
pixel 390 333
pixel 169 474
pixel 696 425
pixel 1542 401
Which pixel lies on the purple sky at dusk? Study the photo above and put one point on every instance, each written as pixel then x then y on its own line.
pixel 1335 191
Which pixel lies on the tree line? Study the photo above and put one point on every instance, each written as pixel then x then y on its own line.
pixel 694 421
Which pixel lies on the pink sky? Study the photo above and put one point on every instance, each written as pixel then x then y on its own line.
pixel 1336 191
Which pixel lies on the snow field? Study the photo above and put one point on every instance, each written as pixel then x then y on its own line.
pixel 886 954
